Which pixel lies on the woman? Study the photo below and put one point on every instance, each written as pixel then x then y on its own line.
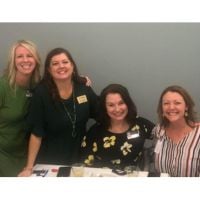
pixel 20 77
pixel 117 141
pixel 60 109
pixel 177 150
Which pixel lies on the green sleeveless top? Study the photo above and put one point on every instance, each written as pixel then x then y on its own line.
pixel 13 138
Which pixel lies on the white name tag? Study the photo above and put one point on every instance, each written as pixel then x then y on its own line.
pixel 158 146
pixel 132 134
pixel 82 99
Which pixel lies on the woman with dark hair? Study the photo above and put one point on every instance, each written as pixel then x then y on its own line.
pixel 177 151
pixel 60 109
pixel 117 140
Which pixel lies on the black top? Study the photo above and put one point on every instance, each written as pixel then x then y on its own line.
pixel 49 119
pixel 102 148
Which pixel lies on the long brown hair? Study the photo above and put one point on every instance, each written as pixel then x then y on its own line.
pixel 48 80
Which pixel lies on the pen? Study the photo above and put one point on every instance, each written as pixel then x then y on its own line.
pixel 45 173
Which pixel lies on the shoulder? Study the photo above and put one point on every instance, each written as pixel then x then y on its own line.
pixel 158 131
pixel 40 88
pixel 4 85
pixel 3 88
pixel 95 127
pixel 144 121
pixel 40 93
pixel 197 128
pixel 79 87
pixel 95 130
pixel 3 81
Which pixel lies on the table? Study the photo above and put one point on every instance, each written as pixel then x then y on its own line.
pixel 45 170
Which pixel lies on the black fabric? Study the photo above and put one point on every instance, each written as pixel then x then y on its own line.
pixel 48 119
pixel 115 154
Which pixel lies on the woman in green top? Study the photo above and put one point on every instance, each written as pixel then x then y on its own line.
pixel 21 75
pixel 60 109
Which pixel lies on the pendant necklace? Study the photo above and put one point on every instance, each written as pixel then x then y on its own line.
pixel 72 116
pixel 29 93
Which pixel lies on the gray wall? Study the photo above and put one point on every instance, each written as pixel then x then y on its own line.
pixel 145 57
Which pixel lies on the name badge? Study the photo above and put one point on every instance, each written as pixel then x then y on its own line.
pixel 29 93
pixel 158 146
pixel 133 134
pixel 82 99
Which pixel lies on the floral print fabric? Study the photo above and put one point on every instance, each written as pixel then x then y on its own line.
pixel 102 148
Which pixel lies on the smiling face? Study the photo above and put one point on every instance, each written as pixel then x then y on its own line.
pixel 116 108
pixel 61 67
pixel 173 106
pixel 24 61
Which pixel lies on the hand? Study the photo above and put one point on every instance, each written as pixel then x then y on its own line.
pixel 25 172
pixel 89 82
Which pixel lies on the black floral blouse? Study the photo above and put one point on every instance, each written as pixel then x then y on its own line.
pixel 102 148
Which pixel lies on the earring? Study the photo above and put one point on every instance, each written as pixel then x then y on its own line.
pixel 186 113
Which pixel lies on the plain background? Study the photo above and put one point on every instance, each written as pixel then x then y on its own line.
pixel 144 57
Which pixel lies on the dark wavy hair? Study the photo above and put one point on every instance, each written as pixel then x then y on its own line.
pixel 191 117
pixel 47 78
pixel 104 119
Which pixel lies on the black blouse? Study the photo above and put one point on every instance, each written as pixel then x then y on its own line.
pixel 102 148
pixel 48 119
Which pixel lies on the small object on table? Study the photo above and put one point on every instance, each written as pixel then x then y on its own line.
pixel 42 172
pixel 64 171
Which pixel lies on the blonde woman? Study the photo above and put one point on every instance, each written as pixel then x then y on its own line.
pixel 20 77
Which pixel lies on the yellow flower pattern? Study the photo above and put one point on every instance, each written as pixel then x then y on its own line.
pixel 109 141
pixel 89 160
pixel 116 162
pixel 83 144
pixel 100 147
pixel 94 149
pixel 145 128
pixel 126 148
pixel 135 128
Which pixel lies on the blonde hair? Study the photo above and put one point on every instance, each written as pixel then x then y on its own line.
pixel 10 71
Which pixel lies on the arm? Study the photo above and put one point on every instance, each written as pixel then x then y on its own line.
pixel 34 146
pixel 146 132
pixel 35 123
pixel 94 103
pixel 88 150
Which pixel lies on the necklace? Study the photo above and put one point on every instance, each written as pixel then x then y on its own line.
pixel 72 117
pixel 28 93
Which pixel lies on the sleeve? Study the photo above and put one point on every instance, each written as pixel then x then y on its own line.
pixel 149 143
pixel 89 147
pixel 156 130
pixel 4 90
pixel 35 118
pixel 2 94
pixel 147 127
